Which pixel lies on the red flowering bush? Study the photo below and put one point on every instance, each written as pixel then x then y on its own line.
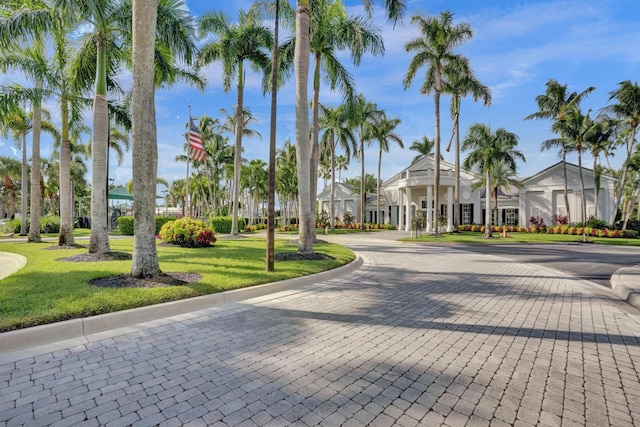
pixel 187 232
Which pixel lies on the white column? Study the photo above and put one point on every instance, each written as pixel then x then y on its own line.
pixel 409 219
pixel 449 209
pixel 400 210
pixel 429 201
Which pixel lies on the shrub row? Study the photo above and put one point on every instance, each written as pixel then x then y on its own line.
pixel 125 224
pixel 558 229
pixel 48 224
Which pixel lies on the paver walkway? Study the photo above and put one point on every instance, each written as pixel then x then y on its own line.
pixel 418 336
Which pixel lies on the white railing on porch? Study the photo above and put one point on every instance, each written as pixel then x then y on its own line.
pixel 426 172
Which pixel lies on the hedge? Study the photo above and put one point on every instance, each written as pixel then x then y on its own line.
pixel 125 224
pixel 221 224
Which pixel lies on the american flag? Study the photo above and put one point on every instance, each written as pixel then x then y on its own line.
pixel 196 147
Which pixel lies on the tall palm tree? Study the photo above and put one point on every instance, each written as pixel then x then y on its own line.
pixel 395 9
pixel 627 110
pixel 552 105
pixel 103 51
pixel 233 43
pixel 26 25
pixel 363 115
pixel 600 139
pixel 383 131
pixel 434 49
pixel 334 122
pixel 575 125
pixel 18 123
pixel 489 150
pixel 332 30
pixel 423 146
pixel 461 83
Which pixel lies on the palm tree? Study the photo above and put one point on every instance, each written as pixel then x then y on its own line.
pixel 27 26
pixel 574 125
pixel 383 131
pixel 334 122
pixel 501 177
pixel 232 44
pixel 286 178
pixel 489 150
pixel 627 110
pixel 332 30
pixel 552 105
pixel 434 49
pixel 424 147
pixel 101 54
pixel 461 83
pixel 363 115
pixel 599 140
pixel 9 174
pixel 18 123
pixel 342 164
pixel 395 9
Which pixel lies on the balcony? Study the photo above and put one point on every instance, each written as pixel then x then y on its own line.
pixel 418 173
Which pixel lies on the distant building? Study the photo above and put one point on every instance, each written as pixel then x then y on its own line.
pixel 412 189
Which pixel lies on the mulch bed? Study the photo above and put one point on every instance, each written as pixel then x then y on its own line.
pixel 162 280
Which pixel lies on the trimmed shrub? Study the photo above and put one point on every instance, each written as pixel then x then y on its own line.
pixel 221 224
pixel 125 224
pixel 187 232
pixel 162 220
pixel 596 223
pixel 48 224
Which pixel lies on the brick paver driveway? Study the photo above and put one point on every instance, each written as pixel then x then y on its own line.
pixel 418 336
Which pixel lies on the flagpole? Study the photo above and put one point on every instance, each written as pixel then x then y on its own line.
pixel 186 190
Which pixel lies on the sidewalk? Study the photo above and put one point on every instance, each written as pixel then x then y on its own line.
pixel 419 336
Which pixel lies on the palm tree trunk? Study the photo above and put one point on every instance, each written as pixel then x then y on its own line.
pixel 363 193
pixel 436 161
pixel 36 191
pixel 566 189
pixel 315 126
pixel 456 188
pixel 271 187
pixel 596 185
pixel 332 208
pixel 24 188
pixel 301 60
pixel 237 155
pixel 623 180
pixel 584 199
pixel 99 240
pixel 487 213
pixel 65 236
pixel 145 149
pixel 378 187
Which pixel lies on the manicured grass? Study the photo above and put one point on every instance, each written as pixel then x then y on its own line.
pixel 48 289
pixel 497 238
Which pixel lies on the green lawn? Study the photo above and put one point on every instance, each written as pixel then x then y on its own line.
pixel 497 238
pixel 48 289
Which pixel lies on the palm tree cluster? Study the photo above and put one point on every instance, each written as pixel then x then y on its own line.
pixel 578 131
pixel 71 53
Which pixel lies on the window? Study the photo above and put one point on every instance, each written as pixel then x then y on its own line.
pixel 511 217
pixel 467 213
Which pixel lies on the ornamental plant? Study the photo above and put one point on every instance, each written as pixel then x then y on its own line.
pixel 187 232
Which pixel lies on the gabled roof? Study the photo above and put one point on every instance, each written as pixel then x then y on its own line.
pixel 559 165
pixel 347 188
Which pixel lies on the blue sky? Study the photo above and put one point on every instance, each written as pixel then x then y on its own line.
pixel 517 46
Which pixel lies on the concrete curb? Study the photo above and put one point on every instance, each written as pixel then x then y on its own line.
pixel 23 339
pixel 11 263
pixel 625 282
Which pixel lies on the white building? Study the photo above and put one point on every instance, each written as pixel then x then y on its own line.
pixel 412 189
